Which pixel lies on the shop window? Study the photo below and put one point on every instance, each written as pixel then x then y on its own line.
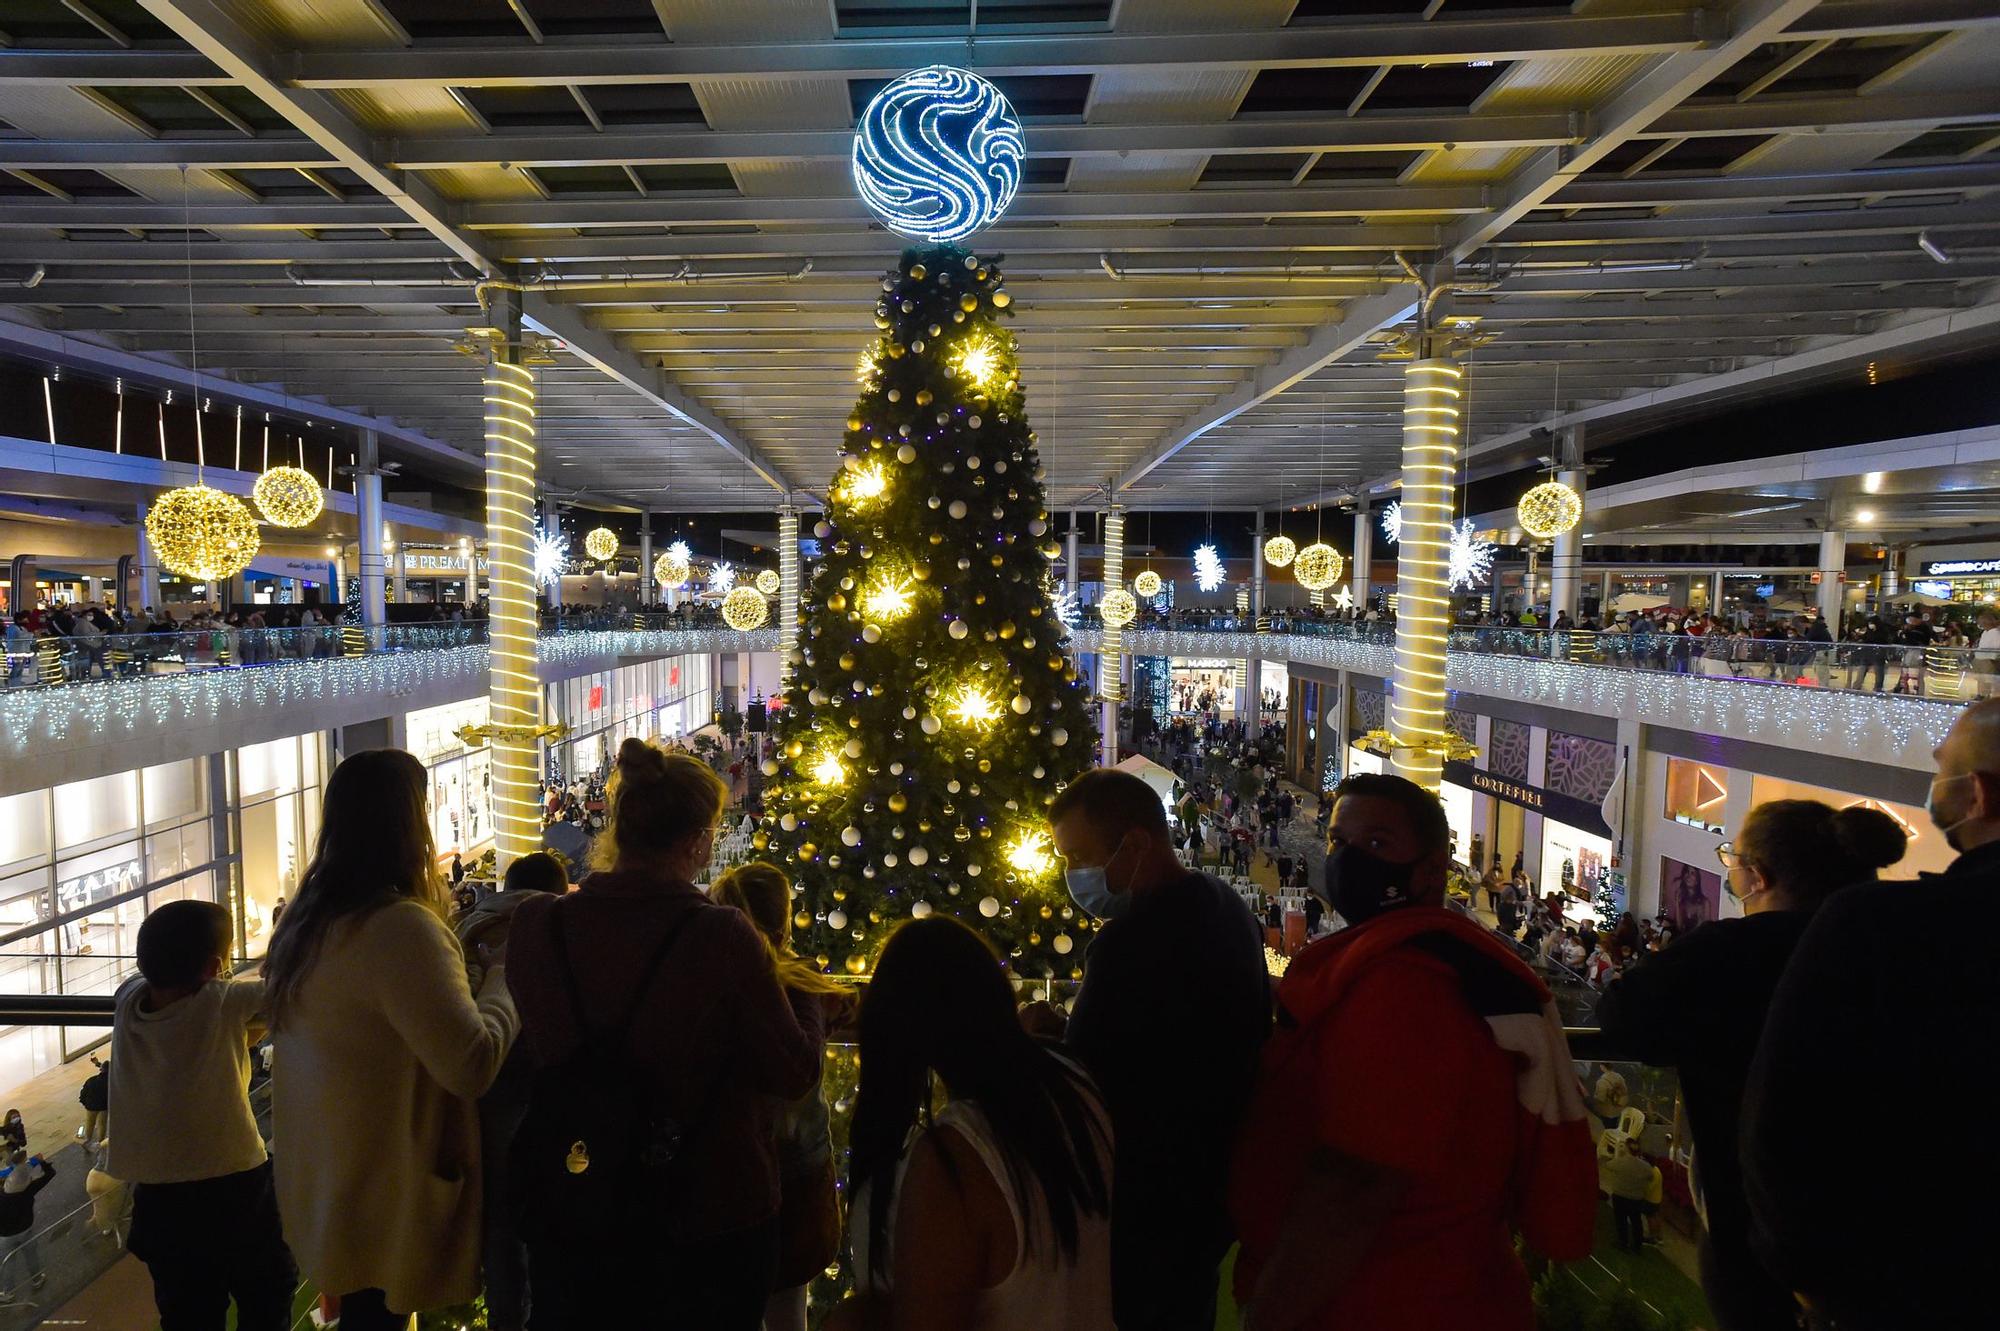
pixel 1696 793
pixel 177 850
pixel 25 901
pixel 1573 861
pixel 267 769
pixel 24 828
pixel 91 811
pixel 97 878
pixel 174 792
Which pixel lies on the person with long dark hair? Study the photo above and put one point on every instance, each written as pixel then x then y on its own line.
pixel 380 1053
pixel 639 994
pixel 808 1191
pixel 997 1214
pixel 1700 1007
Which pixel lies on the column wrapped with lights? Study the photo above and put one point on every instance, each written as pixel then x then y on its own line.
pixel 1108 657
pixel 514 692
pixel 1431 391
pixel 788 590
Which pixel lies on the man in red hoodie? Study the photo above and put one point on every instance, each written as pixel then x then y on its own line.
pixel 1415 1107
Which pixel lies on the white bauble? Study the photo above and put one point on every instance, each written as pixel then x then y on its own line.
pixel 919 856
pixel 789 823
pixel 1059 736
pixel 921 910
pixel 1062 943
pixel 850 836
pixel 852 748
pixel 930 725
pixel 836 919
pixel 957 508
pixel 1022 704
pixel 989 906
pixel 958 630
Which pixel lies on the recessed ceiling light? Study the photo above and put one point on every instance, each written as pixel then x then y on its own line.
pixel 1864 516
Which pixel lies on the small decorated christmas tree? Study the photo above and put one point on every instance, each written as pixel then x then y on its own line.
pixel 933 710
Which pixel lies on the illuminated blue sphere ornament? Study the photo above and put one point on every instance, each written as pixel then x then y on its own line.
pixel 938 154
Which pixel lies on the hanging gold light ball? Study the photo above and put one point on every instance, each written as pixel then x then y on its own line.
pixel 1549 510
pixel 768 581
pixel 670 570
pixel 202 533
pixel 1318 566
pixel 1147 583
pixel 601 544
pixel 288 496
pixel 744 609
pixel 1278 551
pixel 1118 608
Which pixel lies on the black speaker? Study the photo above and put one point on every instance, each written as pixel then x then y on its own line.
pixel 756 719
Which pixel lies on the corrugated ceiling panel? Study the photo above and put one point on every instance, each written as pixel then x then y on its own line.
pixel 732 20
pixel 775 103
pixel 309 24
pixel 1201 15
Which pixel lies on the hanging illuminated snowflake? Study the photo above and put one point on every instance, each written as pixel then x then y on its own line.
pixel 1392 521
pixel 551 553
pixel 1208 574
pixel 1063 601
pixel 721 577
pixel 1471 558
pixel 676 566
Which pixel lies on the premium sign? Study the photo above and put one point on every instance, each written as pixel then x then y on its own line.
pixel 1960 568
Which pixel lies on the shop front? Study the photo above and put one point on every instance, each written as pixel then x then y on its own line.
pixel 1574 840
pixel 461 776
pixel 278 796
pixel 1201 684
pixel 666 698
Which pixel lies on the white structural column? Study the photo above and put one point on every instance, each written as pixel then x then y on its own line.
pixel 788 590
pixel 1566 563
pixel 1069 556
pixel 145 567
pixel 1430 448
pixel 400 572
pixel 1832 564
pixel 1253 668
pixel 514 695
pixel 1363 555
pixel 645 557
pixel 368 517
pixel 1108 663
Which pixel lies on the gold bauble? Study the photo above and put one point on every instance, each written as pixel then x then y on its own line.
pixel 856 964
pixel 288 496
pixel 202 533
pixel 1549 510
pixel 768 581
pixel 745 609
pixel 1118 608
pixel 671 571
pixel 1318 567
pixel 1147 583
pixel 1278 551
pixel 601 543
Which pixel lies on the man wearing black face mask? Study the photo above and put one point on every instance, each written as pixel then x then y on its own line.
pixel 1174 1007
pixel 1360 1197
pixel 1843 1160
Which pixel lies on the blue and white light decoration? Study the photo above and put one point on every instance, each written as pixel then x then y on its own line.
pixel 1208 574
pixel 938 154
pixel 1392 521
pixel 551 554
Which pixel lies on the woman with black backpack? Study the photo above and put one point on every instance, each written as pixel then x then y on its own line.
pixel 645 1168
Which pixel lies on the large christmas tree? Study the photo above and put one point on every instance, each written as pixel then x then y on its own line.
pixel 933 710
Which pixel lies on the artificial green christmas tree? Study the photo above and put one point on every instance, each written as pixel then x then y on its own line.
pixel 933 709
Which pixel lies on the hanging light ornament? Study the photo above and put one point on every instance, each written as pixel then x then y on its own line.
pixel 601 544
pixel 768 581
pixel 1549 510
pixel 1063 602
pixel 551 553
pixel 1118 608
pixel 1392 521
pixel 744 609
pixel 1471 559
pixel 1147 584
pixel 1318 567
pixel 288 496
pixel 675 566
pixel 201 533
pixel 1279 551
pixel 721 577
pixel 1208 574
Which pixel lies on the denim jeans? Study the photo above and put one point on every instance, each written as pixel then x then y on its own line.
pixel 20 1261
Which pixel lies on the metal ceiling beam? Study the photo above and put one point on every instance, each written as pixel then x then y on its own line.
pixel 1356 324
pixel 1634 108
pixel 218 36
pixel 325 214
pixel 1345 44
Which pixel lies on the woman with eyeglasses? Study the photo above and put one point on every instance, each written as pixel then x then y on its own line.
pixel 1699 1006
pixel 645 1168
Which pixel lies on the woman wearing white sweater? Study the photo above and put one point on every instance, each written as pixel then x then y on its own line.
pixel 381 1051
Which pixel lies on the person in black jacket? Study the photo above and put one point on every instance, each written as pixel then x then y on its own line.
pixel 23 1178
pixel 1699 1007
pixel 1175 980
pixel 1876 1026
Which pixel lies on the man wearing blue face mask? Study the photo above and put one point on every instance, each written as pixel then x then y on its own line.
pixel 1174 1008
pixel 1871 1007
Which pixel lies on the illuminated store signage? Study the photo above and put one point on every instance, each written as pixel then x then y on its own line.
pixel 84 890
pixel 1960 568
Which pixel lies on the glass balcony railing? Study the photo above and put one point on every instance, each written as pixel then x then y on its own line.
pixel 49 659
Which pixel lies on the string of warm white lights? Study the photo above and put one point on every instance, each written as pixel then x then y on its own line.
pixel 1430 451
pixel 1114 580
pixel 788 590
pixel 514 694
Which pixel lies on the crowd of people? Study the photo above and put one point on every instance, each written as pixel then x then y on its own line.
pixel 605 1106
